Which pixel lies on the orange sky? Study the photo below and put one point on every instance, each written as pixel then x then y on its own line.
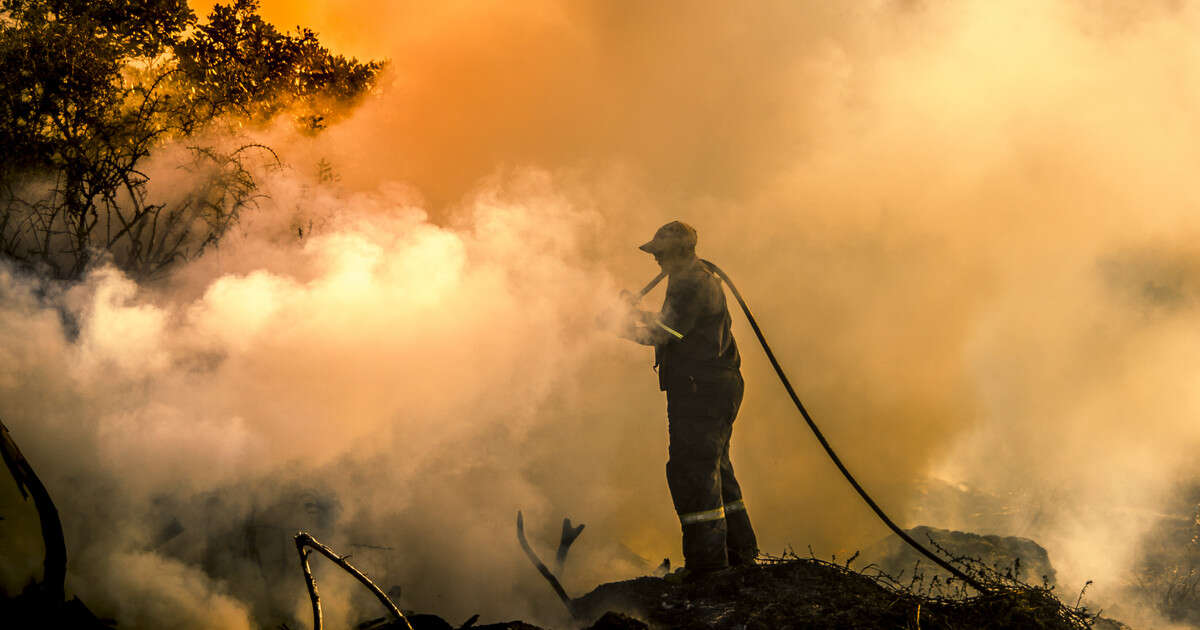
pixel 356 28
pixel 699 100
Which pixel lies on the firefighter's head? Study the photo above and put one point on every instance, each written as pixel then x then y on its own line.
pixel 673 245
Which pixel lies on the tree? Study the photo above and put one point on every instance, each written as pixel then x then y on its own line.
pixel 238 61
pixel 89 89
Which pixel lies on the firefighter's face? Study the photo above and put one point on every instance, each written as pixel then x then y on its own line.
pixel 670 259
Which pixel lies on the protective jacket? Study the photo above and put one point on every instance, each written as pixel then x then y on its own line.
pixel 696 317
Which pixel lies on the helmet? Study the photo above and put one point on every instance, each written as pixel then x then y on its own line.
pixel 671 235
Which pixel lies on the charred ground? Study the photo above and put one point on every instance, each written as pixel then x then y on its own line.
pixel 793 592
pixel 779 593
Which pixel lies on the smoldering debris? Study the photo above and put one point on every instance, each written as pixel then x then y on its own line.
pixel 794 592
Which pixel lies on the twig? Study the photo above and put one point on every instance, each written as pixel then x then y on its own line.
pixel 537 562
pixel 304 540
pixel 1081 592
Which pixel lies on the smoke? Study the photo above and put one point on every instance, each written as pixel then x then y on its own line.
pixel 391 354
pixel 965 227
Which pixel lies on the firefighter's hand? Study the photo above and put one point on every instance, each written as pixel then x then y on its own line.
pixel 644 318
pixel 627 297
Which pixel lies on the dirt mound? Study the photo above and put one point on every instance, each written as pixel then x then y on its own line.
pixel 809 593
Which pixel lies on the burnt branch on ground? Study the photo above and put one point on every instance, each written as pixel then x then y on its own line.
pixel 54 574
pixel 44 603
pixel 304 543
pixel 541 567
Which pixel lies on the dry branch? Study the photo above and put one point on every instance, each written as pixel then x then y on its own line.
pixel 54 573
pixel 537 562
pixel 569 534
pixel 304 542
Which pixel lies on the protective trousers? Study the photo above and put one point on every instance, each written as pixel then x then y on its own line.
pixel 716 527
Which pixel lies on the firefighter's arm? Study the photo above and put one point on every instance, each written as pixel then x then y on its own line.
pixel 679 314
pixel 642 327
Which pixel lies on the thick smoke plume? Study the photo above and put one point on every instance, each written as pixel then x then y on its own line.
pixel 967 227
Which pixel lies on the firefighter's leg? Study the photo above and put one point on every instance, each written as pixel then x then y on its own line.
pixel 739 538
pixel 740 541
pixel 693 475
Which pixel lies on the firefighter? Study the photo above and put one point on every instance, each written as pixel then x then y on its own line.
pixel 699 368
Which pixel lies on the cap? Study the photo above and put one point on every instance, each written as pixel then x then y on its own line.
pixel 673 234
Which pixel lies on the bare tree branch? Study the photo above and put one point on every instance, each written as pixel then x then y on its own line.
pixel 305 541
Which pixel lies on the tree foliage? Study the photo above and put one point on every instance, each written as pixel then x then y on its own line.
pixel 88 90
pixel 236 60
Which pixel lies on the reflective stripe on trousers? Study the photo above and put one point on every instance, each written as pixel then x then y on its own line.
pixel 692 518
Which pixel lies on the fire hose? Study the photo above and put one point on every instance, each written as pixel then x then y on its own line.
pixel 820 436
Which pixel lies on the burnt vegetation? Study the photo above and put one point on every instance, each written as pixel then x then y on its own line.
pixel 789 591
pixel 88 90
